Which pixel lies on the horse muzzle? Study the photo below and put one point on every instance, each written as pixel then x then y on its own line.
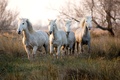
pixel 19 32
pixel 50 32
pixel 67 33
pixel 89 28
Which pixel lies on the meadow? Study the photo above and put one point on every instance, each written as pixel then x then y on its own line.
pixel 103 63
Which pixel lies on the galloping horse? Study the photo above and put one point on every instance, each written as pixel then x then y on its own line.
pixel 57 38
pixel 82 34
pixel 32 39
pixel 70 37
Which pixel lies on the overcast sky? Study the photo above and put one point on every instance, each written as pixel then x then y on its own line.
pixel 37 10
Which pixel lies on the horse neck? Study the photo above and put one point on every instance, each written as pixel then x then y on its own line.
pixel 30 28
pixel 85 31
pixel 55 30
pixel 26 34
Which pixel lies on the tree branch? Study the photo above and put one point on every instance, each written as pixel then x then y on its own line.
pixel 98 26
pixel 69 16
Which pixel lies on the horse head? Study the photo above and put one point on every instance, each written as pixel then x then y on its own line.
pixel 67 27
pixel 51 26
pixel 22 25
pixel 88 22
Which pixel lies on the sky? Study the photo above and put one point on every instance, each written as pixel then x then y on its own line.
pixel 37 10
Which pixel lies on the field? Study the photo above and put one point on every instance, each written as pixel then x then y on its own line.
pixel 103 63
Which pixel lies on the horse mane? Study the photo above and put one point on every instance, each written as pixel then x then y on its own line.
pixel 56 27
pixel 30 28
pixel 82 23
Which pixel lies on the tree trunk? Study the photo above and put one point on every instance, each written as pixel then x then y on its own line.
pixel 109 28
pixel 108 18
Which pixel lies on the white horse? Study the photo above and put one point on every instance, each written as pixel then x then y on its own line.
pixel 32 39
pixel 70 37
pixel 57 38
pixel 82 34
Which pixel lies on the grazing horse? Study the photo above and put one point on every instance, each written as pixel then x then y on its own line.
pixel 82 34
pixel 32 39
pixel 70 37
pixel 57 38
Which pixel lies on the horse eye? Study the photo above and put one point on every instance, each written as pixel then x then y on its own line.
pixel 23 23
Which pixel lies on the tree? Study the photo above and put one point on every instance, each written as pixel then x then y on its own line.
pixel 6 16
pixel 105 13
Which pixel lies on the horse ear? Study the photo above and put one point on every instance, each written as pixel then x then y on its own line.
pixel 89 17
pixel 55 20
pixel 27 20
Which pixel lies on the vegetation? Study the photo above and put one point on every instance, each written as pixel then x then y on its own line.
pixel 103 62
pixel 7 16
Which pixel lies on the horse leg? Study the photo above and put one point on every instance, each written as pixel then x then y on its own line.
pixel 46 48
pixel 58 51
pixel 51 48
pixel 67 49
pixel 28 51
pixel 73 49
pixel 77 47
pixel 55 49
pixel 89 47
pixel 34 51
pixel 63 48
pixel 70 51
pixel 81 47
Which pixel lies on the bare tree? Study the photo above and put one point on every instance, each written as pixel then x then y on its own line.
pixel 107 9
pixel 6 16
pixel 105 13
pixel 72 10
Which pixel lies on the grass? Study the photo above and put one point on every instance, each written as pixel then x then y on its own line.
pixel 11 44
pixel 107 47
pixel 48 68
pixel 102 64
